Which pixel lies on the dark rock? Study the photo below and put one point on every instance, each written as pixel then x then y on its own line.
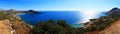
pixel 114 11
pixel 32 12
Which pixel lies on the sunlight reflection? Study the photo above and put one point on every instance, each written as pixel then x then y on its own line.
pixel 88 14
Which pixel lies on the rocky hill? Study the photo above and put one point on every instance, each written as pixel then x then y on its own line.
pixel 10 23
pixel 108 24
pixel 114 11
pixel 114 28
pixel 5 27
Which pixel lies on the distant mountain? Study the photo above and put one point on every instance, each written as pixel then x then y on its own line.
pixel 1 9
pixel 32 12
pixel 114 11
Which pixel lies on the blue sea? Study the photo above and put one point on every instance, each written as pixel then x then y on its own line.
pixel 71 17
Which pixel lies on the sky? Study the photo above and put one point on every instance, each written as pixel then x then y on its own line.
pixel 89 8
pixel 77 5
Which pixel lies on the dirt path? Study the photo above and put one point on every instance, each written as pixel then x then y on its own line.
pixel 114 28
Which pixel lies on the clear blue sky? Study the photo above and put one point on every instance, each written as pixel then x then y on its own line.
pixel 101 5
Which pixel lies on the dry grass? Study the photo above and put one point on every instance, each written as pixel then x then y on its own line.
pixel 114 28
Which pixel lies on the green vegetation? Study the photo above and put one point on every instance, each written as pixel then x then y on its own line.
pixel 4 15
pixel 7 15
pixel 52 27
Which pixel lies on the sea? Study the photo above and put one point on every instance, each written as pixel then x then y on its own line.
pixel 72 18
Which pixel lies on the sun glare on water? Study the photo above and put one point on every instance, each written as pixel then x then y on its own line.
pixel 88 14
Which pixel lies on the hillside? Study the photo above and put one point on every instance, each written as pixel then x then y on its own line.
pixel 5 27
pixel 108 24
pixel 10 23
pixel 114 28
